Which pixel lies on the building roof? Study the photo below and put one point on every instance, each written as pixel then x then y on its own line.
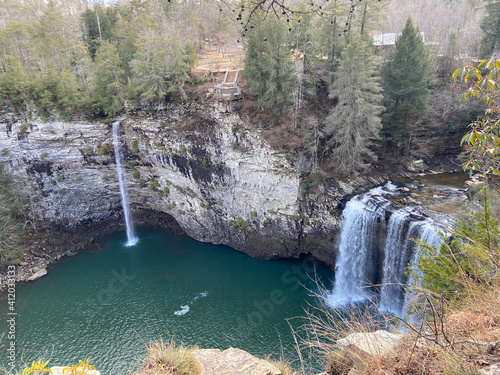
pixel 388 39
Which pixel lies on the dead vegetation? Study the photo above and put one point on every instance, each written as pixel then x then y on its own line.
pixel 166 358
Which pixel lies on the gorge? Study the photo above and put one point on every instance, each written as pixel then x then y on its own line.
pixel 207 173
pixel 204 170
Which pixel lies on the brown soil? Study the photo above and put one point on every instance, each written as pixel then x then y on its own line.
pixel 218 60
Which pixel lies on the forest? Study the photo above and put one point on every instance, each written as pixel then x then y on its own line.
pixel 306 63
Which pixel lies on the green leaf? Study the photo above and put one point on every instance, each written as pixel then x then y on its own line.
pixel 473 138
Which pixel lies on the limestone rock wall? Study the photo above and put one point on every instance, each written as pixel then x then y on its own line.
pixel 204 166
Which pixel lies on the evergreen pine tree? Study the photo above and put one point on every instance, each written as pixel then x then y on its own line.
pixel 406 76
pixel 490 25
pixel 355 120
pixel 469 261
pixel 161 66
pixel 97 24
pixel 268 65
pixel 107 80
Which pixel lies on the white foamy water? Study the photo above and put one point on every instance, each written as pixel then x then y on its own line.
pixel 185 309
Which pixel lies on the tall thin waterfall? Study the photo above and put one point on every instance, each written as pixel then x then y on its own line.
pixel 375 247
pixel 131 237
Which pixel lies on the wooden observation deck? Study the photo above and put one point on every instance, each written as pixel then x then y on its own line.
pixel 229 89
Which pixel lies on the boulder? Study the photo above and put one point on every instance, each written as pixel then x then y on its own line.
pixel 491 370
pixel 371 343
pixel 232 361
pixel 37 275
pixel 58 370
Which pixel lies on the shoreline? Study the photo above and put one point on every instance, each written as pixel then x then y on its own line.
pixel 51 244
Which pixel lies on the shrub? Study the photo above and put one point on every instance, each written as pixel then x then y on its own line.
pixel 308 183
pixel 105 149
pixel 135 146
pixel 136 175
pixel 153 183
pixel 170 206
pixel 238 223
pixel 24 128
pixel 89 151
pixel 43 156
pixel 37 368
pixel 181 212
pixel 166 191
pixel 5 152
pixel 80 369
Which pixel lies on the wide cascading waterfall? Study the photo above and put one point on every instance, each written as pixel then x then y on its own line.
pixel 131 237
pixel 376 247
pixel 355 266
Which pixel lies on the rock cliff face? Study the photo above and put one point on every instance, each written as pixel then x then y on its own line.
pixel 204 167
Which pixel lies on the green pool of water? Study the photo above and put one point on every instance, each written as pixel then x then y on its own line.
pixel 106 304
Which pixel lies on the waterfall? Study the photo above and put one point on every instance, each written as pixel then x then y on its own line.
pixel 395 249
pixel 131 237
pixel 355 266
pixel 371 225
pixel 427 232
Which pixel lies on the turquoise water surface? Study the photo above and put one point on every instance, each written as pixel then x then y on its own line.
pixel 107 303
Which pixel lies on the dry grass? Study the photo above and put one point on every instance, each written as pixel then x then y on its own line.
pixel 168 359
pixel 453 340
pixel 282 365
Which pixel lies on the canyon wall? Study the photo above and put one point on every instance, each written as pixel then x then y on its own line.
pixel 205 167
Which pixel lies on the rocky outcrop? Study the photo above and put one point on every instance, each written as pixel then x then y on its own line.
pixel 491 370
pixel 204 167
pixel 37 274
pixel 232 361
pixel 370 343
